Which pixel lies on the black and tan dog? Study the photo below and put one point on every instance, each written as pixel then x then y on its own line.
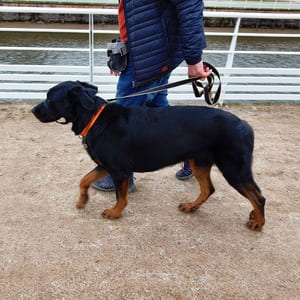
pixel 122 140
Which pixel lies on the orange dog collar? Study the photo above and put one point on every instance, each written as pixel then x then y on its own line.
pixel 92 121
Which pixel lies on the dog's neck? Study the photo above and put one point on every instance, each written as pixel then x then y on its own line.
pixel 83 117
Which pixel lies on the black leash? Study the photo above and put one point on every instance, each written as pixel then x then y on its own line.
pixel 196 83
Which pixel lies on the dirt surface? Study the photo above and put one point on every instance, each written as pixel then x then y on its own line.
pixel 51 250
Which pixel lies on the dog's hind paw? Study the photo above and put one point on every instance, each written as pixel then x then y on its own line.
pixel 111 213
pixel 188 207
pixel 253 223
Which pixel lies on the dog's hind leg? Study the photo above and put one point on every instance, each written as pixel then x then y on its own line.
pixel 202 174
pixel 257 215
pixel 239 175
pixel 85 183
pixel 122 200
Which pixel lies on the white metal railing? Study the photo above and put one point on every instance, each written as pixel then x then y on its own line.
pixel 236 4
pixel 254 4
pixel 30 82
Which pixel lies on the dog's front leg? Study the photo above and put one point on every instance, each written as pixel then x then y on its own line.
pixel 122 200
pixel 85 183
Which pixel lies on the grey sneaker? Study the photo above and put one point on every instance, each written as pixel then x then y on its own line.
pixel 185 172
pixel 106 184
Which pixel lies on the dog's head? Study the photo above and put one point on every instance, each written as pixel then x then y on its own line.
pixel 67 100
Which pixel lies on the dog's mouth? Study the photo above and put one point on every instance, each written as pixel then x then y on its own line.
pixel 62 121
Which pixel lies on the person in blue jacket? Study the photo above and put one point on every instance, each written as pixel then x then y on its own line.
pixel 159 34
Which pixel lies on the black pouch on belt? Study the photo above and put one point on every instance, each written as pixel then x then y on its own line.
pixel 117 53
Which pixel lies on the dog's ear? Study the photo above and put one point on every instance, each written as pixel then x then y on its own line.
pixel 91 88
pixel 81 95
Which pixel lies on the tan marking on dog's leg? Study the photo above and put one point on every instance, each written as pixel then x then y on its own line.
pixel 202 174
pixel 122 200
pixel 85 183
pixel 257 215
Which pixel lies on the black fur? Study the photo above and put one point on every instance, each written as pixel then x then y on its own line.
pixel 142 139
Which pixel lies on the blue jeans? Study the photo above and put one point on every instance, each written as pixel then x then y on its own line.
pixel 125 88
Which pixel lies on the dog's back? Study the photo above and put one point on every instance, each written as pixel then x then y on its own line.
pixel 163 136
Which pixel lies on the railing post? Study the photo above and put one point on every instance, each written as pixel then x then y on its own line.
pixel 91 47
pixel 230 57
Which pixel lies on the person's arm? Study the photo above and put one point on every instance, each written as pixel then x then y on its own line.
pixel 191 33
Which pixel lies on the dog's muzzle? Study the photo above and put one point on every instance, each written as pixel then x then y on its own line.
pixel 44 113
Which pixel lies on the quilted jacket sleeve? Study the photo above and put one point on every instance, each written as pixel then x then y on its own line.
pixel 190 27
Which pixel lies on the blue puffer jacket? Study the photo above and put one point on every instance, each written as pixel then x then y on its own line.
pixel 161 34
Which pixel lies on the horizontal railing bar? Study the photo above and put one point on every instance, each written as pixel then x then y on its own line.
pixel 242 97
pixel 275 35
pixel 43 30
pixel 238 80
pixel 49 30
pixel 25 86
pixel 59 10
pixel 252 4
pixel 178 71
pixel 253 52
pixel 266 52
pixel 253 34
pixel 256 71
pixel 264 88
pixel 44 49
pixel 209 4
pixel 107 31
pixel 174 97
pixel 231 88
pixel 104 50
pixel 111 79
pixel 45 68
pixel 108 79
pixel 263 80
pixel 112 11
pixel 41 78
pixel 263 97
pixel 103 88
pixel 22 96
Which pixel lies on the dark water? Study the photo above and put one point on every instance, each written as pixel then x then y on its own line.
pixel 81 58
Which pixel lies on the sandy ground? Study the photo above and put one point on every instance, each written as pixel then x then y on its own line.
pixel 50 250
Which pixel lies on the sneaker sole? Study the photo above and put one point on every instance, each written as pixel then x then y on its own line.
pixel 184 177
pixel 131 189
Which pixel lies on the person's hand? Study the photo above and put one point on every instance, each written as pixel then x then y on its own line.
pixel 114 73
pixel 199 70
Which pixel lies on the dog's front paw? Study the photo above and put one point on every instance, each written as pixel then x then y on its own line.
pixel 188 207
pixel 111 213
pixel 254 223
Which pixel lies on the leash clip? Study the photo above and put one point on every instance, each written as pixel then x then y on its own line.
pixel 83 142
